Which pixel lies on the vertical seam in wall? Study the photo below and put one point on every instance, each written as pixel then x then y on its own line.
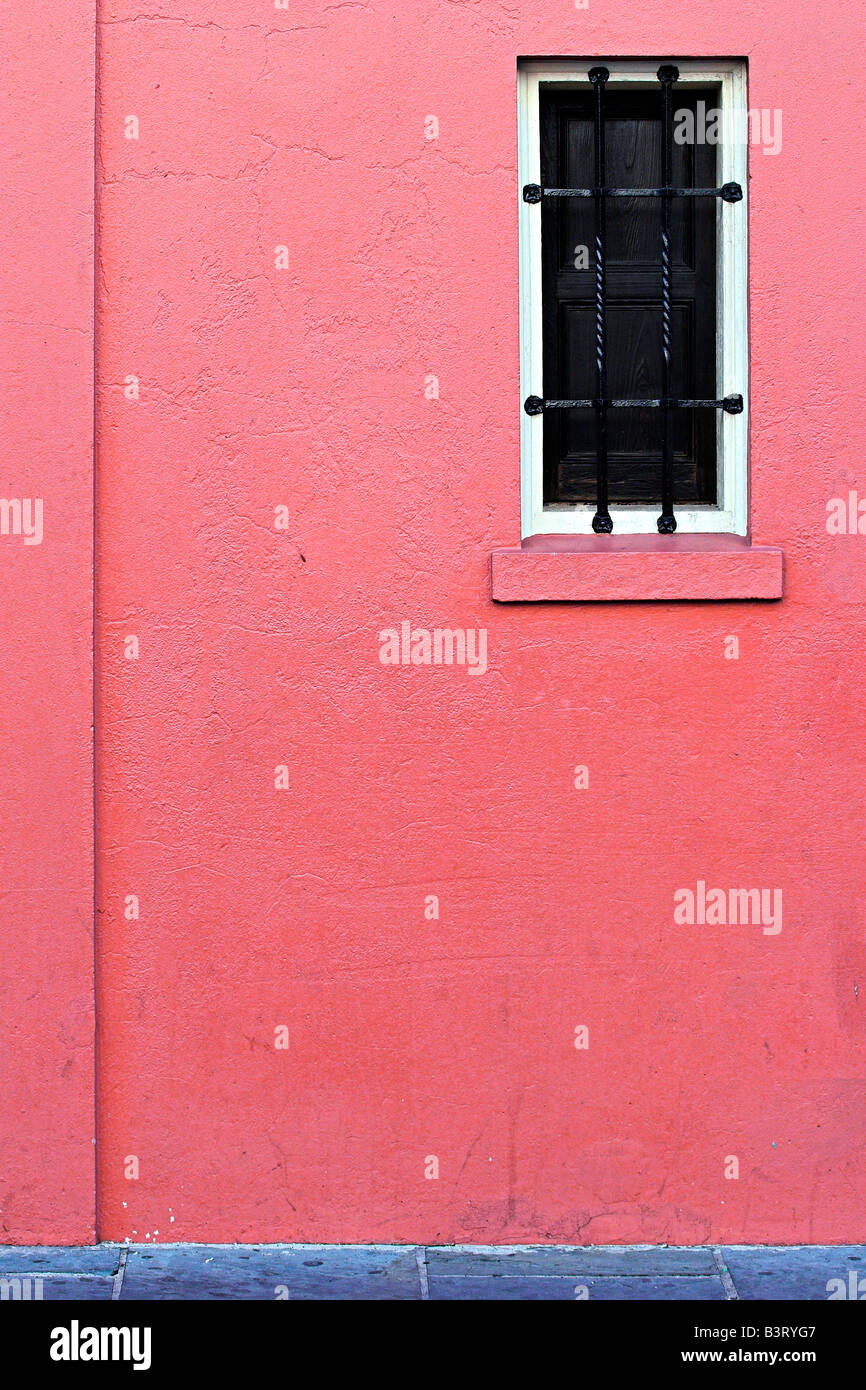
pixel 95 250
pixel 421 1261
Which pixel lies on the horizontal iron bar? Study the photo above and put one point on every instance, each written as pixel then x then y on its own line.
pixel 733 405
pixel 729 192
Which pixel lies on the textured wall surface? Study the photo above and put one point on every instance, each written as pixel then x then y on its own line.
pixel 230 905
pixel 46 621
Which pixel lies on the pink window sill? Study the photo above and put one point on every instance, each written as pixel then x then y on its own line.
pixel 593 569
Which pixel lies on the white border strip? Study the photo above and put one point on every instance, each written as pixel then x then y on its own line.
pixel 732 333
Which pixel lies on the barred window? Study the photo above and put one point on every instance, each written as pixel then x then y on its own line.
pixel 633 297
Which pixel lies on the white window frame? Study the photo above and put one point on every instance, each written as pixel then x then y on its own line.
pixel 730 514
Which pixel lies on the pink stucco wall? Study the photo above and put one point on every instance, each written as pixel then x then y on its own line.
pixel 46 705
pixel 260 907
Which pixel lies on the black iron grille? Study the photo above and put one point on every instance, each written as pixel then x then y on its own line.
pixel 602 521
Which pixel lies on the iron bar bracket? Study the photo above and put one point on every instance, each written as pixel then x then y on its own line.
pixel 728 192
pixel 732 405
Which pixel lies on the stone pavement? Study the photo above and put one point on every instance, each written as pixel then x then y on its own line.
pixel 468 1272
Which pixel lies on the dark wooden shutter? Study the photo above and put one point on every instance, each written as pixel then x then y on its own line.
pixel 633 151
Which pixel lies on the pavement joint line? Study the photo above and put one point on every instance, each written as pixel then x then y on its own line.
pixel 117 1281
pixel 580 1274
pixel 724 1274
pixel 421 1261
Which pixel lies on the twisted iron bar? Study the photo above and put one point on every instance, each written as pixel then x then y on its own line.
pixel 602 523
pixel 667 522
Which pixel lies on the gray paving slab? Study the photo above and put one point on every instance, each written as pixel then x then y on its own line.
pixel 555 1288
pixel 550 1260
pixel 801 1272
pixel 62 1259
pixel 304 1273
pixel 90 1289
